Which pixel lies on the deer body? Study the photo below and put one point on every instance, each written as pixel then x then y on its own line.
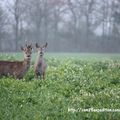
pixel 16 68
pixel 40 67
pixel 40 64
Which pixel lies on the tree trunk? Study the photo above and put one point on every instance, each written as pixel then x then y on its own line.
pixel 16 33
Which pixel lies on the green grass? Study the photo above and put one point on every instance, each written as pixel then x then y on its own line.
pixel 73 81
pixel 81 56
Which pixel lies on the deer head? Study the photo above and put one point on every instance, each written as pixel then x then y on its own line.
pixel 27 50
pixel 40 49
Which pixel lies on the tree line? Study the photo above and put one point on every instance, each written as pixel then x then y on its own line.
pixel 67 25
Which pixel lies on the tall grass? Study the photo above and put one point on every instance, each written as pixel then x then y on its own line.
pixel 79 82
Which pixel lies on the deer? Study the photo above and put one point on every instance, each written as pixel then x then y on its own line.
pixel 17 69
pixel 40 64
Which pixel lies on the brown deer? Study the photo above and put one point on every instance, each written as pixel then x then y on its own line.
pixel 40 64
pixel 17 68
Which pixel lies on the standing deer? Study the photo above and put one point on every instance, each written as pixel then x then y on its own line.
pixel 17 68
pixel 40 65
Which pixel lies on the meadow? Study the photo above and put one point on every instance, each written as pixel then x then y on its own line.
pixel 73 82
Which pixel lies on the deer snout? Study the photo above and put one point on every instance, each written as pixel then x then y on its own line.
pixel 28 55
pixel 41 53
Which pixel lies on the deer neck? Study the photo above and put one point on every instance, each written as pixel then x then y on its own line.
pixel 39 59
pixel 26 62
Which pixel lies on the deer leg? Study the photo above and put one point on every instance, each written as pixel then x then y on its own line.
pixel 44 76
pixel 39 74
pixel 18 76
pixel 36 75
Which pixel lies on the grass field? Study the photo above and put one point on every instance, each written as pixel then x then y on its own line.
pixel 74 82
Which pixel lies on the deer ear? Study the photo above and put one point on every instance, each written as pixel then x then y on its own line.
pixel 45 45
pixel 37 46
pixel 22 48
pixel 29 46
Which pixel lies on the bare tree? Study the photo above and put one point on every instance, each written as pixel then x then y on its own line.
pixel 46 21
pixel 16 8
pixel 35 17
pixel 116 19
pixel 2 26
pixel 72 8
pixel 87 7
pixel 58 8
pixel 77 23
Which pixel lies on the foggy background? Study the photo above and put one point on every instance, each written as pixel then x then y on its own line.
pixel 67 25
